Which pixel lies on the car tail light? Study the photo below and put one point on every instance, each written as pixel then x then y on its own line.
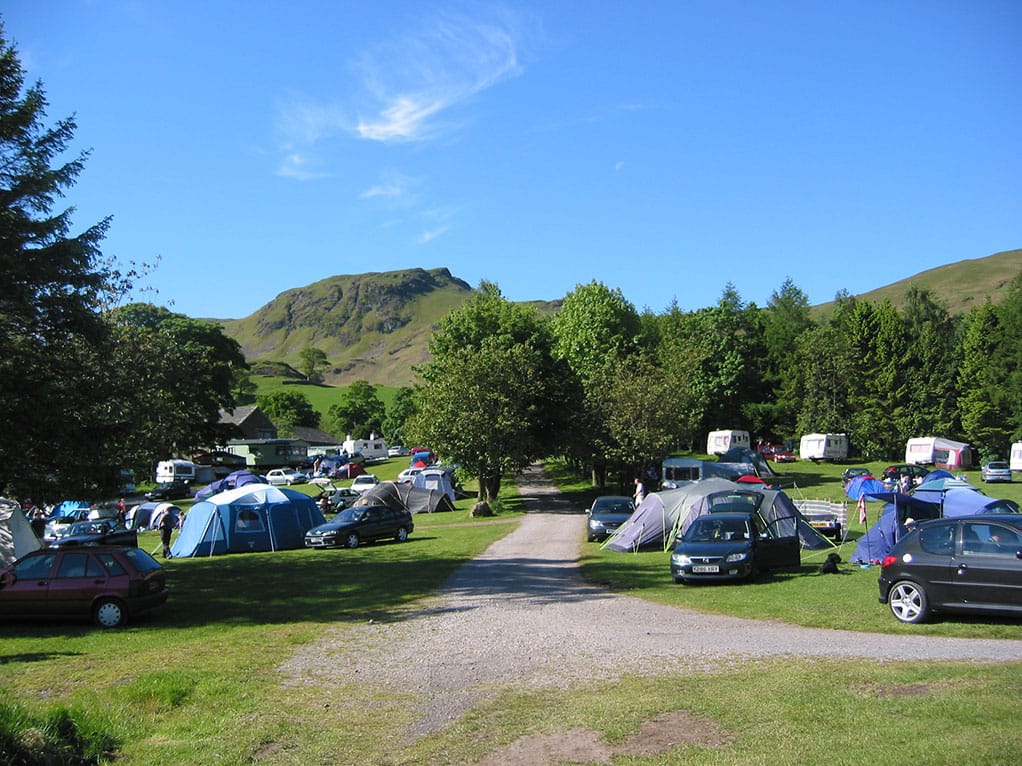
pixel 888 560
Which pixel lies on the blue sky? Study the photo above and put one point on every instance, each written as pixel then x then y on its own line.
pixel 663 148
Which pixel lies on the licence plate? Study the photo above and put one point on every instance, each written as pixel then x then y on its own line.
pixel 705 569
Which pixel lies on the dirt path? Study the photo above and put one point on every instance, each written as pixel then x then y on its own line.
pixel 520 615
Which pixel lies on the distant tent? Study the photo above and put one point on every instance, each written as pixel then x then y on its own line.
pixel 16 535
pixel 148 515
pixel 864 485
pixel 255 517
pixel 436 480
pixel 747 457
pixel 232 480
pixel 890 526
pixel 71 508
pixel 406 497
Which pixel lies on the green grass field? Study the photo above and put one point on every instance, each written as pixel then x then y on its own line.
pixel 197 681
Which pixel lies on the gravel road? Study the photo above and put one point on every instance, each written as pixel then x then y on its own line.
pixel 520 615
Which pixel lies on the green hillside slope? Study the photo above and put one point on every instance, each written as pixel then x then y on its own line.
pixel 377 326
pixel 373 327
pixel 960 286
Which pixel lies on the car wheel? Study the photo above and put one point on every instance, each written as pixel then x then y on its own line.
pixel 402 534
pixel 908 602
pixel 109 613
pixel 351 541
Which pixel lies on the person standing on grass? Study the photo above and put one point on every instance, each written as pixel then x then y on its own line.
pixel 640 491
pixel 166 528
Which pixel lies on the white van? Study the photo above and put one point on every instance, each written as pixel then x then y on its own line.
pixel 372 449
pixel 175 470
pixel 817 447
pixel 719 442
pixel 1015 457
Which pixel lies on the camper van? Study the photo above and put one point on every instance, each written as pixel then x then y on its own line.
pixel 1015 457
pixel 817 447
pixel 373 448
pixel 175 470
pixel 942 453
pixel 678 472
pixel 719 442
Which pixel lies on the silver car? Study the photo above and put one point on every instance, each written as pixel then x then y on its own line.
pixel 995 470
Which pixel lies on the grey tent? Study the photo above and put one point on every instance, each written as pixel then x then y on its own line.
pixel 16 535
pixel 673 511
pixel 406 497
pixel 657 519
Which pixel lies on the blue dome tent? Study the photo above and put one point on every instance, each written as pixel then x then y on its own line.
pixel 255 517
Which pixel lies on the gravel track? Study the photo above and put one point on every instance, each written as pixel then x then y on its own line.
pixel 521 616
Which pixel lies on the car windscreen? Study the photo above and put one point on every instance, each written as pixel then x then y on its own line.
pixel 349 515
pixel 709 529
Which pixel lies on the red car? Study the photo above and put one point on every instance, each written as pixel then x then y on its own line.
pixel 108 584
pixel 778 454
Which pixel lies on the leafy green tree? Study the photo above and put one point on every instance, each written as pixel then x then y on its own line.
pixel 313 362
pixel 594 324
pixel 398 413
pixel 53 338
pixel 360 412
pixel 595 332
pixel 931 399
pixel 785 318
pixel 174 376
pixel 493 398
pixel 983 405
pixel 1009 355
pixel 288 409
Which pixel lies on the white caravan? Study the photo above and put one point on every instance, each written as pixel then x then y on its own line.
pixel 817 447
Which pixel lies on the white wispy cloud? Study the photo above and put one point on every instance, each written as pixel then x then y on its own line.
pixel 409 83
pixel 428 236
pixel 407 89
pixel 393 186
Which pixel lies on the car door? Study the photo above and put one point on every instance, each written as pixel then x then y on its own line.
pixel 775 548
pixel 28 593
pixel 988 573
pixel 373 523
pixel 78 579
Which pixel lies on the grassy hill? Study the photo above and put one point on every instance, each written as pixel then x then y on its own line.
pixel 376 326
pixel 960 286
pixel 373 327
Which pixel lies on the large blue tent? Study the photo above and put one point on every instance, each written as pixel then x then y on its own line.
pixel 256 517
pixel 232 480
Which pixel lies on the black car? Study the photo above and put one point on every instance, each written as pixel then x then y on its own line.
pixel 94 532
pixel 169 490
pixel 733 546
pixel 966 564
pixel 606 515
pixel 893 473
pixel 850 473
pixel 361 523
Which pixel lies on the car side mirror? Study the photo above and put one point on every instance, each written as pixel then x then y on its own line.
pixel 7 578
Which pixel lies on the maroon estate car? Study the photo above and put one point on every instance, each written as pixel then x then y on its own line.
pixel 107 583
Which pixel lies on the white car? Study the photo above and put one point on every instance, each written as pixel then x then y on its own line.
pixel 407 476
pixel 287 476
pixel 364 482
